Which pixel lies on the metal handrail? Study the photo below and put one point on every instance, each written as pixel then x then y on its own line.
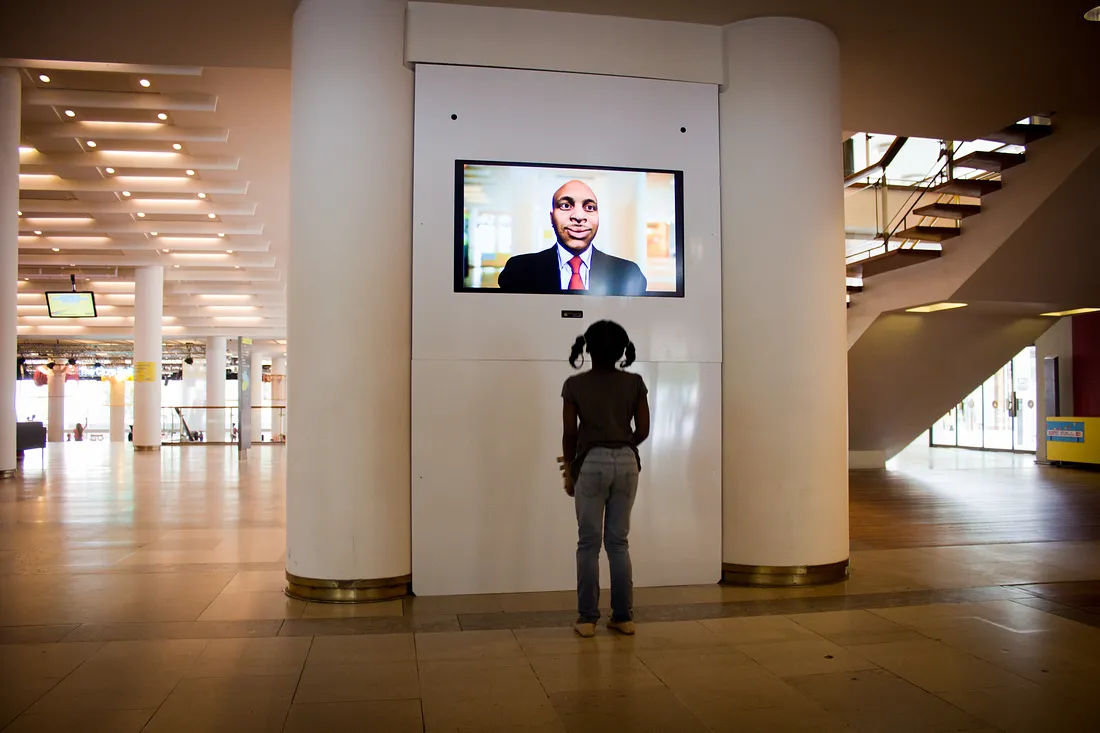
pixel 879 167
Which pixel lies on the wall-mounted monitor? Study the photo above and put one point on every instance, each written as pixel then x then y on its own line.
pixel 71 304
pixel 553 229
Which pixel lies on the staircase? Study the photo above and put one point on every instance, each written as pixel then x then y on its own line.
pixel 919 235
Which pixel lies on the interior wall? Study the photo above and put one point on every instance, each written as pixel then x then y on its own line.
pixel 489 514
pixel 1057 341
pixel 1086 363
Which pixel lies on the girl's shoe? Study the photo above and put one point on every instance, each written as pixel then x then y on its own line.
pixel 623 627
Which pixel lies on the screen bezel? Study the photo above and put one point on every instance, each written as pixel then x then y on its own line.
pixel 460 264
pixel 49 305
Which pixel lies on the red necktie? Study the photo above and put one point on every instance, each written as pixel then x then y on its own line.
pixel 575 282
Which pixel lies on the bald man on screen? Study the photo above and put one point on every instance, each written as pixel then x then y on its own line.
pixel 573 265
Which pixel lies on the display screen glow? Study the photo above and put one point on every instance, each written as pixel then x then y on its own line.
pixel 71 305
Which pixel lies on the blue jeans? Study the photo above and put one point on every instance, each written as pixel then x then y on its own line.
pixel 604 496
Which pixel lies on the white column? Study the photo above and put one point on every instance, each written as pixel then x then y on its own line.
pixel 10 101
pixel 278 398
pixel 784 371
pixel 117 402
pixel 216 420
pixel 348 500
pixel 55 405
pixel 148 316
pixel 256 387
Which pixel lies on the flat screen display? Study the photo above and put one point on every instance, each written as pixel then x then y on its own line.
pixel 572 230
pixel 71 305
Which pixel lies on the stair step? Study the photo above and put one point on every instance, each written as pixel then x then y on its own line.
pixel 927 234
pixel 970 187
pixel 990 160
pixel 855 288
pixel 894 260
pixel 958 212
pixel 1020 134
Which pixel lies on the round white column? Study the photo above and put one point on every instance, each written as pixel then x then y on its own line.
pixel 278 398
pixel 148 317
pixel 117 402
pixel 10 101
pixel 348 482
pixel 216 420
pixel 55 405
pixel 784 370
pixel 256 388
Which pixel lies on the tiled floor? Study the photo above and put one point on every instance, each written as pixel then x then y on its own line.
pixel 144 593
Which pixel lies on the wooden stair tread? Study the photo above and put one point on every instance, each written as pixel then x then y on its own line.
pixel 1020 134
pixel 971 187
pixel 855 288
pixel 946 210
pixel 894 260
pixel 990 160
pixel 927 234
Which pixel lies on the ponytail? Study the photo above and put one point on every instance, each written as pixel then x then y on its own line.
pixel 577 353
pixel 630 356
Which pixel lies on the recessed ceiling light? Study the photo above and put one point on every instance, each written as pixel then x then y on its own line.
pixel 177 146
pixel 162 116
pixel 1094 14
pixel 190 172
pixel 220 234
pixel 43 78
pixel 70 113
pixel 145 83
pixel 236 267
pixel 153 233
pixel 56 249
pixel 175 265
pixel 91 143
pixel 38 232
pixel 164 250
pixel 932 308
pixel 19 213
pixel 126 194
pixel 229 251
pixel 141 214
pixel 1075 311
pixel 211 216
pixel 109 170
pixel 202 195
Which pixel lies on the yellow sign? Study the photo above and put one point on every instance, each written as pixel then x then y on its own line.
pixel 246 340
pixel 145 371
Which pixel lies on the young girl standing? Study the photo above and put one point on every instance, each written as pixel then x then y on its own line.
pixel 605 418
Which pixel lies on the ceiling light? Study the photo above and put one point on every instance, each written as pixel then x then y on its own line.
pixel 153 233
pixel 70 113
pixel 141 214
pixel 56 249
pixel 177 146
pixel 91 143
pixel 932 308
pixel 220 234
pixel 126 193
pixel 162 116
pixel 19 213
pixel 190 172
pixel 38 232
pixel 109 170
pixel 43 78
pixel 229 251
pixel 211 216
pixel 175 265
pixel 236 267
pixel 202 195
pixel 1075 311
pixel 145 83
pixel 1094 14
pixel 164 250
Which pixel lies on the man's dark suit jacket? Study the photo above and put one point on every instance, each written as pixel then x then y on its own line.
pixel 540 273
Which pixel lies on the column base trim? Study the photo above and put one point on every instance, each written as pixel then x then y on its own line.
pixel 146 447
pixel 7 473
pixel 772 576
pixel 348 591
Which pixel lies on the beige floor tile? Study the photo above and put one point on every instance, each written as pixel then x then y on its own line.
pixel 19 692
pixel 737 714
pixel 561 640
pixel 797 658
pixel 1004 613
pixel 852 628
pixel 499 677
pixel 368 649
pixel 938 668
pixel 758 630
pixel 43 660
pixel 650 710
pixel 166 655
pixel 577 672
pixel 388 716
pixel 252 581
pixel 671 635
pixel 241 657
pixel 255 605
pixel 358 682
pixel 88 721
pixel 466 645
pixel 565 600
pixel 1028 710
pixel 161 630
pixel 250 704
pixel 108 688
pixel 450 605
pixel 678 595
pixel 733 674
pixel 875 701
pixel 490 711
pixel 353 610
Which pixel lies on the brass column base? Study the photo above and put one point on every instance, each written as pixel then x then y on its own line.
pixel 779 576
pixel 7 473
pixel 146 447
pixel 347 591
